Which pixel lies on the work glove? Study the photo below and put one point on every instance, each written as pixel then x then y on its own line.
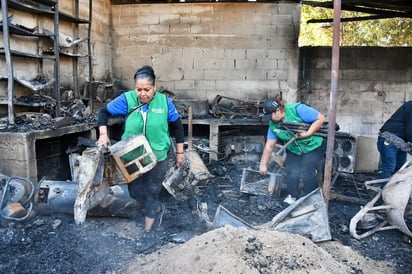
pixel 397 141
pixel 408 147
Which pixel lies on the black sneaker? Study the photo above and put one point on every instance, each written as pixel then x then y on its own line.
pixel 147 241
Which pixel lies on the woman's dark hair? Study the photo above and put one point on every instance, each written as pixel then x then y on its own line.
pixel 145 72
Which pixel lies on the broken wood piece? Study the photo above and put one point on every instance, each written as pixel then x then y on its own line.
pixel 345 198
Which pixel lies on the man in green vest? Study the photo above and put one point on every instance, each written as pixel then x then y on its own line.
pixel 149 113
pixel 305 155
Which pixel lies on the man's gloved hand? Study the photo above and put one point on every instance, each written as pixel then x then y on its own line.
pixel 397 141
pixel 408 147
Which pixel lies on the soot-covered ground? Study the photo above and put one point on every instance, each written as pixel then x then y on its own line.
pixel 55 244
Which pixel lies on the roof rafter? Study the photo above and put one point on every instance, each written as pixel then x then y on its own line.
pixel 375 9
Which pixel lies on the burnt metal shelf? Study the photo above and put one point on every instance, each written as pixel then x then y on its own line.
pixel 23 31
pixel 27 104
pixel 69 18
pixel 65 53
pixel 227 122
pixel 16 102
pixel 2 102
pixel 25 54
pixel 17 5
pixel 29 84
pixel 70 54
pixel 47 2
pixel 49 9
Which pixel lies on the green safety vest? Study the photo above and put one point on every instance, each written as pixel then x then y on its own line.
pixel 157 127
pixel 300 146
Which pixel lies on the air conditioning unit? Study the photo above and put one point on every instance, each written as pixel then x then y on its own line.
pixel 344 152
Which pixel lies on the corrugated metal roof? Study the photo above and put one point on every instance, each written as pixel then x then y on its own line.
pixel 374 9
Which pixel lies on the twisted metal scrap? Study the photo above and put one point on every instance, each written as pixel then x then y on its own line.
pixel 226 107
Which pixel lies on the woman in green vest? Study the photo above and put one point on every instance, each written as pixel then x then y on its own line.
pixel 153 118
pixel 305 154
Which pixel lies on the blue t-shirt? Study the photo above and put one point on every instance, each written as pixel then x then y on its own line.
pixel 119 107
pixel 306 113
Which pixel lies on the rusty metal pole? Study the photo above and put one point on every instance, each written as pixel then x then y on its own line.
pixel 89 55
pixel 10 74
pixel 333 99
pixel 89 47
pixel 57 59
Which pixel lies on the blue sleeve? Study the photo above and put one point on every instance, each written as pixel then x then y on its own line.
pixel 118 106
pixel 271 135
pixel 173 114
pixel 307 113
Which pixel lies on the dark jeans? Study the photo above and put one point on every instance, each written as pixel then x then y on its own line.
pixel 302 171
pixel 392 158
pixel 146 188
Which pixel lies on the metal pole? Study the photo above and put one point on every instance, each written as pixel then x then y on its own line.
pixel 57 59
pixel 89 55
pixel 333 99
pixel 75 60
pixel 10 74
pixel 89 47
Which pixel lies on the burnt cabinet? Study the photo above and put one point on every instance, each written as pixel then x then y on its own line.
pixel 33 52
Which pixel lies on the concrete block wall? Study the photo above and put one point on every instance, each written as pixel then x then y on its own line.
pixel 373 83
pixel 198 51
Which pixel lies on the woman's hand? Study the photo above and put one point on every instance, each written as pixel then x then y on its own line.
pixel 180 154
pixel 180 159
pixel 266 155
pixel 103 141
pixel 263 169
pixel 303 135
